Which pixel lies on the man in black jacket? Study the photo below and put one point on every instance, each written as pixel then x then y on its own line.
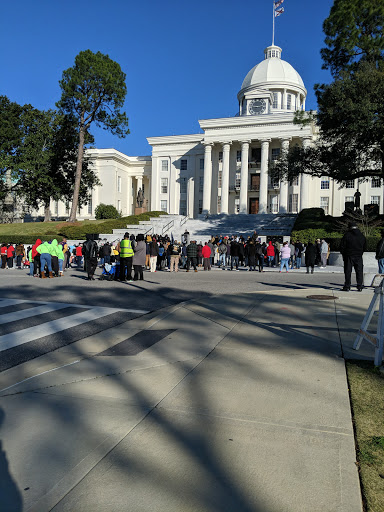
pixel 353 244
pixel 380 253
pixel 90 257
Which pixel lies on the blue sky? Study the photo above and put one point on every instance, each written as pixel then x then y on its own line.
pixel 183 61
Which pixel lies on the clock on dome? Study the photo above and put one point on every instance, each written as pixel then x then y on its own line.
pixel 257 106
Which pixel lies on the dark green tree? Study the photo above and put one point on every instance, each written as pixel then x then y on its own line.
pixel 93 91
pixel 350 115
pixel 45 160
pixel 353 33
pixel 10 139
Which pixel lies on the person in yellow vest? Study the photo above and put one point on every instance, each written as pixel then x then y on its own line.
pixel 126 254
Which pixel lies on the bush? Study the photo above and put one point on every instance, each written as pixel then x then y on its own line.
pixel 106 211
pixel 311 235
pixel 26 239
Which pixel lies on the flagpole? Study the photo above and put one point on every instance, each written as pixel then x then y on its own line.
pixel 273 30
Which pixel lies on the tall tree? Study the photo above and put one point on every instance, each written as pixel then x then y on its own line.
pixel 354 32
pixel 350 115
pixel 10 139
pixel 93 91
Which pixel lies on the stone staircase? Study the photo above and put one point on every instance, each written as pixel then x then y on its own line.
pixel 265 224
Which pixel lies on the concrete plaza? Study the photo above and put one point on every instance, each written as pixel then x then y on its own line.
pixel 229 395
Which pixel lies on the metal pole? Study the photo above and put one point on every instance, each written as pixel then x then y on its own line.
pixel 273 24
pixel 380 333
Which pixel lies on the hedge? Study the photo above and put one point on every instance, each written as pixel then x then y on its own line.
pixel 79 230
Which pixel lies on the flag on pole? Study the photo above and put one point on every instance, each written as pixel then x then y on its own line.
pixel 278 12
pixel 278 3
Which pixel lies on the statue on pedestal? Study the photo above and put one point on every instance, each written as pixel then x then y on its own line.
pixel 357 196
pixel 140 198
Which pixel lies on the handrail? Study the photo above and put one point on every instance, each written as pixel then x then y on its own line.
pixel 184 220
pixel 167 226
pixel 148 230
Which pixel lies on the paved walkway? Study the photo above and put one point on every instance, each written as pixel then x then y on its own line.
pixel 232 403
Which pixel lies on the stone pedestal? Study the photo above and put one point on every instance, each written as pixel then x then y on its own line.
pixel 139 210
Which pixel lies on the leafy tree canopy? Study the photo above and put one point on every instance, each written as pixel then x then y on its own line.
pixel 350 116
pixel 93 91
pixel 354 32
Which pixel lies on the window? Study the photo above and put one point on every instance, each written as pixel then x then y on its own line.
pixel 200 206
pixel 293 203
pixel 183 186
pixel 349 199
pixel 275 183
pixel 350 184
pixel 324 204
pixel 295 182
pixel 289 101
pixel 219 179
pixel 90 205
pixel 375 200
pixel 56 207
pixel 376 183
pixel 238 180
pixel 67 207
pixel 201 183
pixel 201 164
pixel 324 185
pixel 275 104
pixel 273 53
pixel 256 154
pixel 220 156
pixel 183 165
pixel 274 205
pixel 164 165
pixel 163 205
pixel 183 207
pixel 218 204
pixel 275 153
pixel 164 185
pixel 237 204
pixel 119 205
pixel 119 183
pixel 238 156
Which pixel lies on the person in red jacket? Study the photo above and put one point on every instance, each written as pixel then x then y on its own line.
pixel 3 252
pixel 10 255
pixel 271 254
pixel 206 253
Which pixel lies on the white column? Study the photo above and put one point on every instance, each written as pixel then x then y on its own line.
pixel 139 180
pixel 225 178
pixel 190 197
pixel 283 200
pixel 155 185
pixel 130 201
pixel 285 99
pixel 304 182
pixel 263 197
pixel 207 178
pixel 244 176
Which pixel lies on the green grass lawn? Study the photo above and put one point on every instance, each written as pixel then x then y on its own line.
pixel 366 385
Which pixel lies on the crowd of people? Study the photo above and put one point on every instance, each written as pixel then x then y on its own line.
pixel 162 253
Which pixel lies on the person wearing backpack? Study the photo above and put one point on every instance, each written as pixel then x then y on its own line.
pixel 90 256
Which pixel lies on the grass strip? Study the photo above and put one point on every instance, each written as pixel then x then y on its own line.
pixel 366 386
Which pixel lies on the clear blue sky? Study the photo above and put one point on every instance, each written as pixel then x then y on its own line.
pixel 183 61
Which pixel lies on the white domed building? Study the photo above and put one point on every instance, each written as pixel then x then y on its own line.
pixel 224 170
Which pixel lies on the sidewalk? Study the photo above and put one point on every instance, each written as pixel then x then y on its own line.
pixel 233 403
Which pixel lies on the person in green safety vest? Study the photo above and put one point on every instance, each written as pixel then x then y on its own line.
pixel 126 255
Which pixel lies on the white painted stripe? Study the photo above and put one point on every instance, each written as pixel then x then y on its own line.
pixel 12 302
pixel 39 374
pixel 45 329
pixel 27 313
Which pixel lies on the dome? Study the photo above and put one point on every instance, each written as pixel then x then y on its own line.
pixel 274 71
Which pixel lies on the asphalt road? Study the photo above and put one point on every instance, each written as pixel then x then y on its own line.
pixel 48 315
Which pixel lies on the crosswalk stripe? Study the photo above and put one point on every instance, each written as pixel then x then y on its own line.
pixel 48 328
pixel 27 313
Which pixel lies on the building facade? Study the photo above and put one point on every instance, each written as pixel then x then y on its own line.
pixel 224 170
